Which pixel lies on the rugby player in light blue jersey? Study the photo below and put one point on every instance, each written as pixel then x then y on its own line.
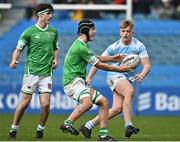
pixel 74 75
pixel 41 41
pixel 121 83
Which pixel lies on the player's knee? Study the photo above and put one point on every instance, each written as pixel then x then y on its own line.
pixel 104 102
pixel 24 103
pixel 88 105
pixel 130 92
pixel 117 110
pixel 45 105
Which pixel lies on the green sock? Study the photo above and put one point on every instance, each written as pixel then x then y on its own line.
pixel 68 122
pixel 103 132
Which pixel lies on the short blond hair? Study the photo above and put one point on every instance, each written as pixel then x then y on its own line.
pixel 126 23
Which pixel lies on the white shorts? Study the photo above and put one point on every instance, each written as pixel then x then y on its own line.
pixel 112 82
pixel 77 90
pixel 32 82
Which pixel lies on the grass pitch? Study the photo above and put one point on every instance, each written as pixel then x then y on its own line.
pixel 153 128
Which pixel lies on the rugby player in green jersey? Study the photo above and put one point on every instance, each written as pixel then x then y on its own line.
pixel 76 60
pixel 41 41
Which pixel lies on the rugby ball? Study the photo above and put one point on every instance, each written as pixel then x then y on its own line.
pixel 131 60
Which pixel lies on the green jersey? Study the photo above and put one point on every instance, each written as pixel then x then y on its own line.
pixel 41 44
pixel 76 60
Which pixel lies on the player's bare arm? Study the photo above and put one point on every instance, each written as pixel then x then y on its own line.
pixel 104 66
pixel 111 58
pixel 90 75
pixel 55 59
pixel 146 69
pixel 102 59
pixel 15 58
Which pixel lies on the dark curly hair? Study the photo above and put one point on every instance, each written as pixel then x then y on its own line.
pixel 44 6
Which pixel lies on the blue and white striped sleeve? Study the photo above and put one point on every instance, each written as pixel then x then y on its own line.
pixel 143 51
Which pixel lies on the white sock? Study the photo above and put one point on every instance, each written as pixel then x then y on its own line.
pixel 40 128
pixel 128 124
pixel 89 125
pixel 14 127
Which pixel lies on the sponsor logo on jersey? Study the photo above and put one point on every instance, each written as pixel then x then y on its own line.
pixel 51 35
pixel 37 36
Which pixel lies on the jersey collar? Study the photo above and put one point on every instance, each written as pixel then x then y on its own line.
pixel 125 44
pixel 82 41
pixel 41 28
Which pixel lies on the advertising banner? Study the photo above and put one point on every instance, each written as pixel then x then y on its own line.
pixel 146 101
pixel 158 101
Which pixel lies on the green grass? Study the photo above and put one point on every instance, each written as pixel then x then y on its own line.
pixel 163 128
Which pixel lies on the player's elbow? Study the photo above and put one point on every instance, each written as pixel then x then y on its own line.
pixel 100 65
pixel 148 66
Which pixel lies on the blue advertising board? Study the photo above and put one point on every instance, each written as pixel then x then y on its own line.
pixel 158 101
pixel 60 103
pixel 146 101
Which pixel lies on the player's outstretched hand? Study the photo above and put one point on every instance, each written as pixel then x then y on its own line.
pixel 125 68
pixel 13 64
pixel 139 78
pixel 88 81
pixel 119 57
pixel 54 64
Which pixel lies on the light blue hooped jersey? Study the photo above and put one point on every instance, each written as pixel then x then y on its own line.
pixel 135 47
